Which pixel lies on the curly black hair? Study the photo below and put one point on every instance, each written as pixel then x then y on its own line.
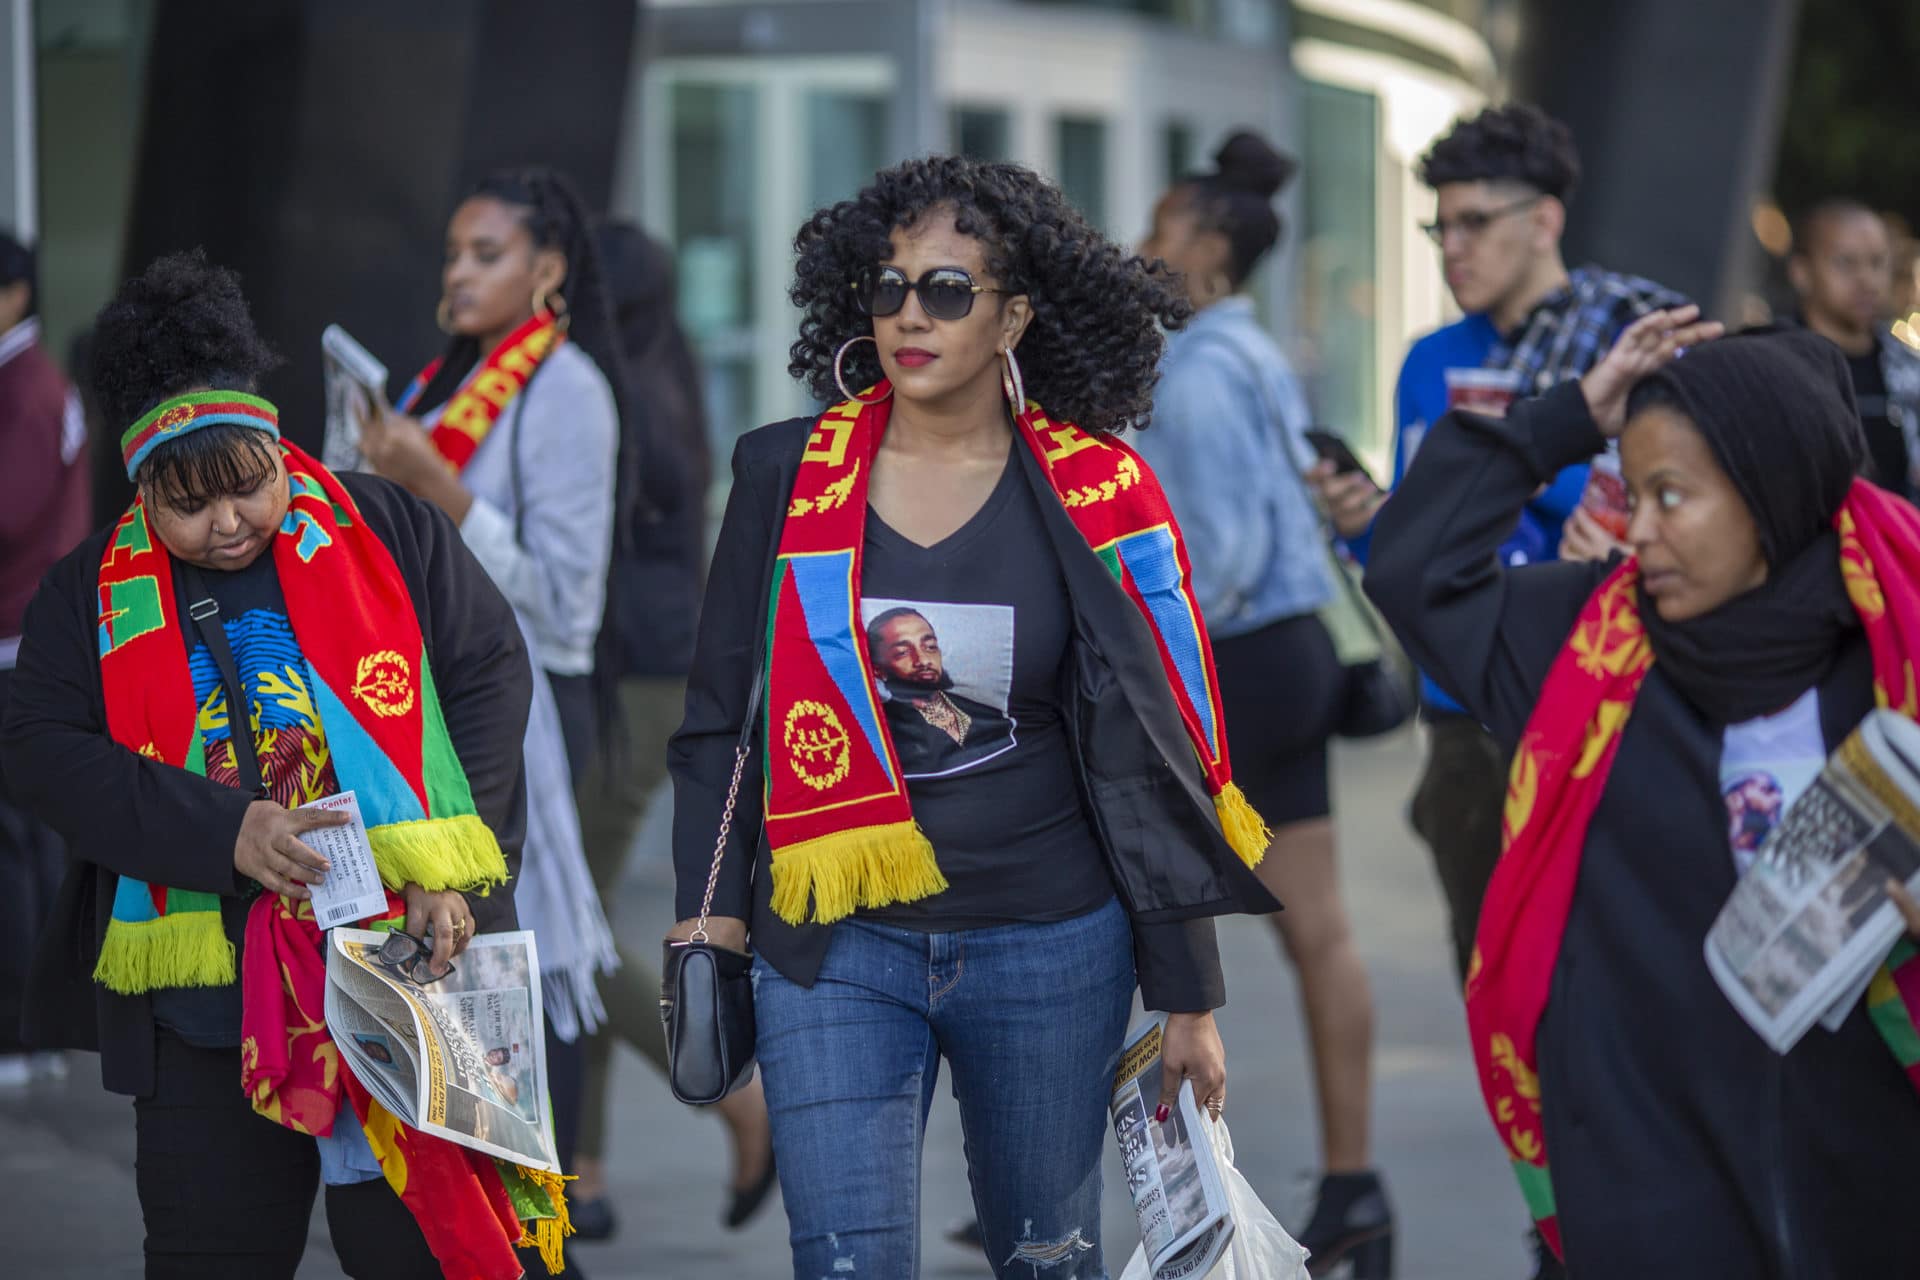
pixel 1092 352
pixel 1517 142
pixel 181 324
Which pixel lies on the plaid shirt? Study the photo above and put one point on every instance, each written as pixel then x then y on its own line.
pixel 1573 326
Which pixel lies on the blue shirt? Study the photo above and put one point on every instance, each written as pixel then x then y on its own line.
pixel 1227 409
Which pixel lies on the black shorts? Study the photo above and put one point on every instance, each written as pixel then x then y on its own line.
pixel 1283 688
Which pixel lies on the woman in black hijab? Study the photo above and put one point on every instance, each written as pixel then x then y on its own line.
pixel 1655 1133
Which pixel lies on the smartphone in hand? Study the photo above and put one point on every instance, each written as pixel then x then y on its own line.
pixel 1332 448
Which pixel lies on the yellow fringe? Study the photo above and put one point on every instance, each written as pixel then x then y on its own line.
pixel 438 853
pixel 864 867
pixel 1245 829
pixel 548 1233
pixel 189 949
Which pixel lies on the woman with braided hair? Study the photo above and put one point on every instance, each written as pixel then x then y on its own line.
pixel 515 432
pixel 990 795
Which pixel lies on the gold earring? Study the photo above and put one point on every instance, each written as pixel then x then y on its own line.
pixel 443 316
pixel 554 305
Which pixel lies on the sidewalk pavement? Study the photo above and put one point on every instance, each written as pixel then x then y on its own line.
pixel 66 1148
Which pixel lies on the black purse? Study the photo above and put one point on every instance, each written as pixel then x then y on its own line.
pixel 706 990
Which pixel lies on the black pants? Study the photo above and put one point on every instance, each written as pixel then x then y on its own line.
pixel 1456 810
pixel 228 1193
pixel 32 860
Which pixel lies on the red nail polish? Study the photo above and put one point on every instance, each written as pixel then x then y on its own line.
pixel 1160 1116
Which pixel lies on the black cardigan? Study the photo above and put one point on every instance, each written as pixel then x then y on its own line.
pixel 1680 1145
pixel 1141 782
pixel 122 814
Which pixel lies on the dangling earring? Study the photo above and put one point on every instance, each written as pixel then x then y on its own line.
pixel 554 305
pixel 839 360
pixel 1011 383
pixel 443 316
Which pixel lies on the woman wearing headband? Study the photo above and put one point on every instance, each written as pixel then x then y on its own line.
pixel 994 793
pixel 350 627
pixel 1660 707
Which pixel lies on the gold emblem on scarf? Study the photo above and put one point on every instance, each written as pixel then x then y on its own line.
pixel 1126 474
pixel 1614 642
pixel 834 495
pixel 384 681
pixel 817 747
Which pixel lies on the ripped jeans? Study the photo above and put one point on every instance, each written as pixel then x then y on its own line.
pixel 1029 1018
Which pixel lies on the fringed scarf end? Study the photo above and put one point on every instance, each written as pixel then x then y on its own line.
pixel 548 1234
pixel 457 852
pixel 185 949
pixel 1244 828
pixel 862 867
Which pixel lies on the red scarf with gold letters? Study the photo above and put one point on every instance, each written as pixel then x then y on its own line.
pixel 476 406
pixel 1559 774
pixel 837 818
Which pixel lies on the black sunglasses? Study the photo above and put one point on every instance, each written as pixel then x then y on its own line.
pixel 946 293
pixel 410 957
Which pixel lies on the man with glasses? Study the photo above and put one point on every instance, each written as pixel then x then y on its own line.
pixel 1502 182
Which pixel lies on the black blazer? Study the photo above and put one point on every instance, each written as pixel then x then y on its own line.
pixel 122 814
pixel 1141 782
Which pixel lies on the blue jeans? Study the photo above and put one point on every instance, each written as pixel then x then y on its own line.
pixel 1030 1018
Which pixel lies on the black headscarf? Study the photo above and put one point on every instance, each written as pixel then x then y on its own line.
pixel 1776 407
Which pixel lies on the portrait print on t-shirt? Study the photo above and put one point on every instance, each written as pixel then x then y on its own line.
pixel 945 675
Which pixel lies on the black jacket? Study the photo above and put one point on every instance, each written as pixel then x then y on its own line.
pixel 1680 1144
pixel 1141 782
pixel 123 814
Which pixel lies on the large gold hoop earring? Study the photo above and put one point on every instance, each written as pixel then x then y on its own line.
pixel 554 305
pixel 1012 383
pixel 839 361
pixel 443 316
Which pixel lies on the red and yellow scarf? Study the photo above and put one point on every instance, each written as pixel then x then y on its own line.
pixel 477 405
pixel 1559 774
pixel 837 817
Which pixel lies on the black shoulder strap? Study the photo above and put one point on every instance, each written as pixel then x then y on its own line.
pixel 204 611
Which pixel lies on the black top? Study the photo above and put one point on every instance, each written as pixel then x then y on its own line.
pixel 1886 442
pixel 122 813
pixel 1680 1144
pixel 968 639
pixel 1141 782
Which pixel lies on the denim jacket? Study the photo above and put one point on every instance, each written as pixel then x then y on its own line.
pixel 1227 407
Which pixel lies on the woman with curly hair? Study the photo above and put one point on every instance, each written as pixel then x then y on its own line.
pixel 1228 404
pixel 348 623
pixel 996 793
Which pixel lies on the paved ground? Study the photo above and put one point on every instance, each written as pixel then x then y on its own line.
pixel 66 1149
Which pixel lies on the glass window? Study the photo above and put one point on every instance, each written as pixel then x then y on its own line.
pixel 1081 165
pixel 1177 147
pixel 715 185
pixel 982 132
pixel 1339 261
pixel 846 143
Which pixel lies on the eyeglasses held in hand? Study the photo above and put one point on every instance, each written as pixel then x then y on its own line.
pixel 946 293
pixel 411 958
pixel 1474 221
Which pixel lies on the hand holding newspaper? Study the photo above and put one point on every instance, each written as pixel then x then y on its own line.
pixel 1186 1222
pixel 462 1057
pixel 356 385
pixel 1801 936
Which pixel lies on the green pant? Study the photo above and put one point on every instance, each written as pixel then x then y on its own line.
pixel 613 799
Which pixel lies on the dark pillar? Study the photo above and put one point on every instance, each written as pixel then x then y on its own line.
pixel 1676 109
pixel 318 146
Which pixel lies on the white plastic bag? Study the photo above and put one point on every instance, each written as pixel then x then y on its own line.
pixel 1261 1249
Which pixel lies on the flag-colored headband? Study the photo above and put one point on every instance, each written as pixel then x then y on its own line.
pixel 171 419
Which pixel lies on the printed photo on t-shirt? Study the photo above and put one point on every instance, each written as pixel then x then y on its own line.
pixel 945 675
pixel 1765 765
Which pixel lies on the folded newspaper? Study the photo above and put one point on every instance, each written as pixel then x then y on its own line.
pixel 356 382
pixel 462 1057
pixel 1172 1172
pixel 1800 938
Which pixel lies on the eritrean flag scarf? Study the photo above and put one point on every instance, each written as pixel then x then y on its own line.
pixel 478 404
pixel 372 691
pixel 1558 776
pixel 837 817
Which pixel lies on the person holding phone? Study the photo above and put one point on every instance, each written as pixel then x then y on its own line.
pixel 1229 406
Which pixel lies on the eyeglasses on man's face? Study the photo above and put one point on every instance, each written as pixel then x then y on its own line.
pixel 1473 223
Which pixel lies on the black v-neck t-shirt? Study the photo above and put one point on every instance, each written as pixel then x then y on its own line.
pixel 969 640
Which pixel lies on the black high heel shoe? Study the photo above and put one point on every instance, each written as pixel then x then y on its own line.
pixel 742 1205
pixel 1352 1222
